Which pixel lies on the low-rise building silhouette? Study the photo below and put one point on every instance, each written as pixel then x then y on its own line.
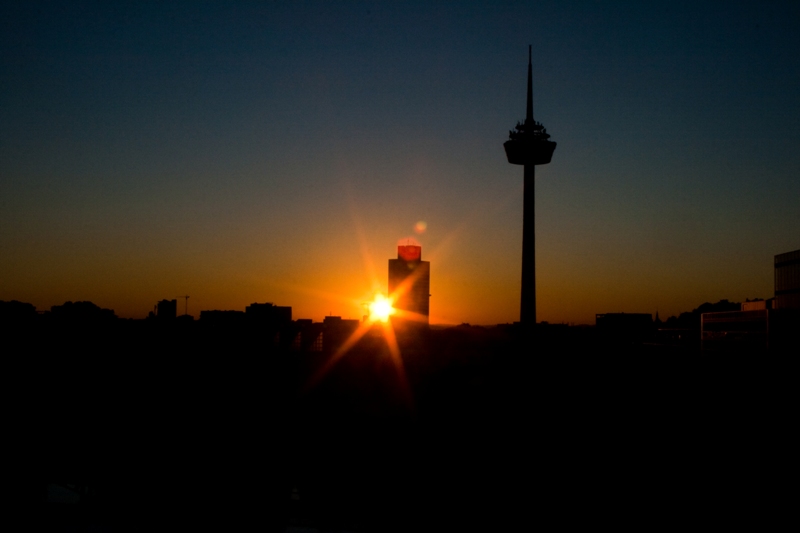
pixel 624 327
pixel 167 309
pixel 757 304
pixel 760 324
pixel 336 332
pixel 216 316
pixel 268 313
pixel 746 328
pixel 306 336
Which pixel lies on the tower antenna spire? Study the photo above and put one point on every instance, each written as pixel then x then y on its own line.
pixel 529 114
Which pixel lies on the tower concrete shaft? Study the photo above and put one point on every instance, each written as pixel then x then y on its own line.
pixel 527 307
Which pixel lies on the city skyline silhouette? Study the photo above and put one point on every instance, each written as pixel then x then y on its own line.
pixel 215 309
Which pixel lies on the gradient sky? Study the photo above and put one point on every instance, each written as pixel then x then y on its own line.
pixel 277 152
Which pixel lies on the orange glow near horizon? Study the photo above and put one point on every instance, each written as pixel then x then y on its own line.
pixel 380 312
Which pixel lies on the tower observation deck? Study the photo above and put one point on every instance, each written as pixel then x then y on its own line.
pixel 529 145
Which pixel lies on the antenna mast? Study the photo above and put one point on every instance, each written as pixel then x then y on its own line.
pixel 185 304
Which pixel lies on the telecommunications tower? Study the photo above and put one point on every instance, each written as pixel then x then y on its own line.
pixel 529 145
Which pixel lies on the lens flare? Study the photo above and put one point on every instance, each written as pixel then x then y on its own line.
pixel 380 309
pixel 420 227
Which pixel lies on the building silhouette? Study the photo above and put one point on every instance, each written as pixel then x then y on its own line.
pixel 167 309
pixel 307 336
pixel 624 327
pixel 773 323
pixel 222 317
pixel 410 283
pixel 787 280
pixel 81 312
pixel 336 331
pixel 748 328
pixel 268 313
pixel 529 145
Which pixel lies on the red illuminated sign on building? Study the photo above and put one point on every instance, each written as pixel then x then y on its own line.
pixel 409 253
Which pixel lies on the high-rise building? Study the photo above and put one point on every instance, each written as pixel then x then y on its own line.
pixel 410 284
pixel 787 280
pixel 529 145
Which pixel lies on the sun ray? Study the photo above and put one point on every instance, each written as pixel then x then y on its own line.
pixel 351 341
pixel 394 353
pixel 369 264
pixel 325 295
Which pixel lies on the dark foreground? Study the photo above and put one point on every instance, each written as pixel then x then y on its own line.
pixel 147 429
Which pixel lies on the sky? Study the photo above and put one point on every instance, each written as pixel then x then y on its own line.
pixel 242 152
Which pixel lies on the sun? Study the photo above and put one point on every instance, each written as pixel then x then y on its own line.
pixel 380 309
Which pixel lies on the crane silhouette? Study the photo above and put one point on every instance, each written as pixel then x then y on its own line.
pixel 185 304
